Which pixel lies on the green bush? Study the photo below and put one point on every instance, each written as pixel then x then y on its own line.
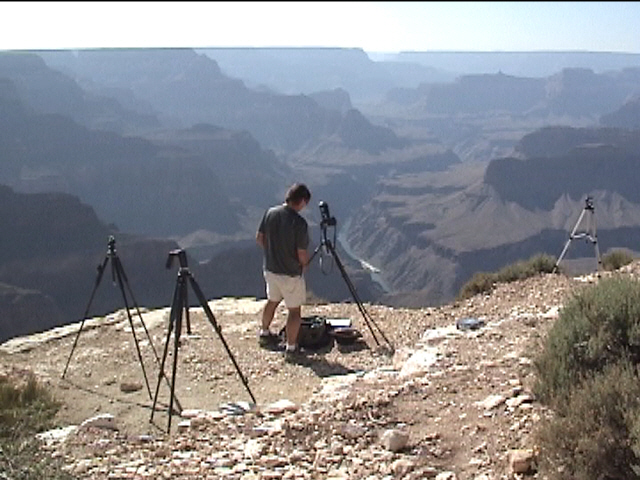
pixel 616 259
pixel 596 435
pixel 483 282
pixel 480 282
pixel 26 408
pixel 598 326
pixel 587 373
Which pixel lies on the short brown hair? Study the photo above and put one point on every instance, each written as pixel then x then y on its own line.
pixel 298 192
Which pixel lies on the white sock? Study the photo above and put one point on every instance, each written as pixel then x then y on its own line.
pixel 291 348
pixel 265 333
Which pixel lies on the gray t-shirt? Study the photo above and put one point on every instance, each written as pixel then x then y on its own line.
pixel 285 231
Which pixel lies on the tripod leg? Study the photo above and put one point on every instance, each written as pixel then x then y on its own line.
pixel 571 236
pixel 101 269
pixel 212 320
pixel 173 312
pixel 118 269
pixel 595 241
pixel 564 250
pixel 315 252
pixel 126 282
pixel 186 310
pixel 352 289
pixel 155 353
pixel 176 344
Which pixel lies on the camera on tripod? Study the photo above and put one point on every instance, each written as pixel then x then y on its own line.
pixel 327 219
pixel 328 246
pixel 588 203
pixel 182 257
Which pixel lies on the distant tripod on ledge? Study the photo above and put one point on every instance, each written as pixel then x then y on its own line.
pixel 589 234
pixel 329 221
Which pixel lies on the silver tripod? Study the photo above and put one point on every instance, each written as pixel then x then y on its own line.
pixel 589 233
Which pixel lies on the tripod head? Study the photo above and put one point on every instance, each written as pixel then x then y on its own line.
pixel 111 253
pixel 327 219
pixel 182 257
pixel 111 245
pixel 588 203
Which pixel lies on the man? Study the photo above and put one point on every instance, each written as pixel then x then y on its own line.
pixel 284 237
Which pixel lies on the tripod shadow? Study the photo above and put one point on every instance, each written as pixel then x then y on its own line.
pixel 323 368
pixel 93 391
pixel 357 346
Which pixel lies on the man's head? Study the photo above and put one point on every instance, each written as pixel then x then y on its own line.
pixel 298 196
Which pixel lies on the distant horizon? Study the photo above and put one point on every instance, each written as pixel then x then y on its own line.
pixel 377 27
pixel 322 48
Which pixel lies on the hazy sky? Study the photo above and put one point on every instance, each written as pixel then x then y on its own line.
pixel 372 26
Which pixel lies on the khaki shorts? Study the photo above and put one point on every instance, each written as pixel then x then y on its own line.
pixel 292 290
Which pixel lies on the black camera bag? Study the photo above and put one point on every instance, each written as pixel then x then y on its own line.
pixel 314 333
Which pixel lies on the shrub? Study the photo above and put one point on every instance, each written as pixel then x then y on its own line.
pixel 596 435
pixel 598 326
pixel 537 264
pixel 616 259
pixel 26 408
pixel 483 282
pixel 587 373
pixel 480 282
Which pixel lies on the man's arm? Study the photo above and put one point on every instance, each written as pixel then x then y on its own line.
pixel 303 258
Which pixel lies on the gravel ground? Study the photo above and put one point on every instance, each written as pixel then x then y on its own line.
pixel 462 396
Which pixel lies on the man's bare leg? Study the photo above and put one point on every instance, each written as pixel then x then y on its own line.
pixel 293 326
pixel 268 313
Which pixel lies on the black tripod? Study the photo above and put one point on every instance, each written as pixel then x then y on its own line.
pixel 329 221
pixel 178 305
pixel 589 234
pixel 117 273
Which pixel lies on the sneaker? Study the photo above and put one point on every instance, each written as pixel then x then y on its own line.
pixel 295 357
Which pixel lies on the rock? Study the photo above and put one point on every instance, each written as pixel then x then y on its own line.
pixel 254 449
pixel 419 362
pixel 521 461
pixel 491 402
pixel 394 440
pixel 130 387
pixel 56 435
pixel 519 400
pixel 401 467
pixel 446 476
pixel 190 413
pixel 184 424
pixel 105 420
pixel 281 406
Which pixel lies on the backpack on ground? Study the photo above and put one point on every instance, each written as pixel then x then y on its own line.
pixel 314 333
